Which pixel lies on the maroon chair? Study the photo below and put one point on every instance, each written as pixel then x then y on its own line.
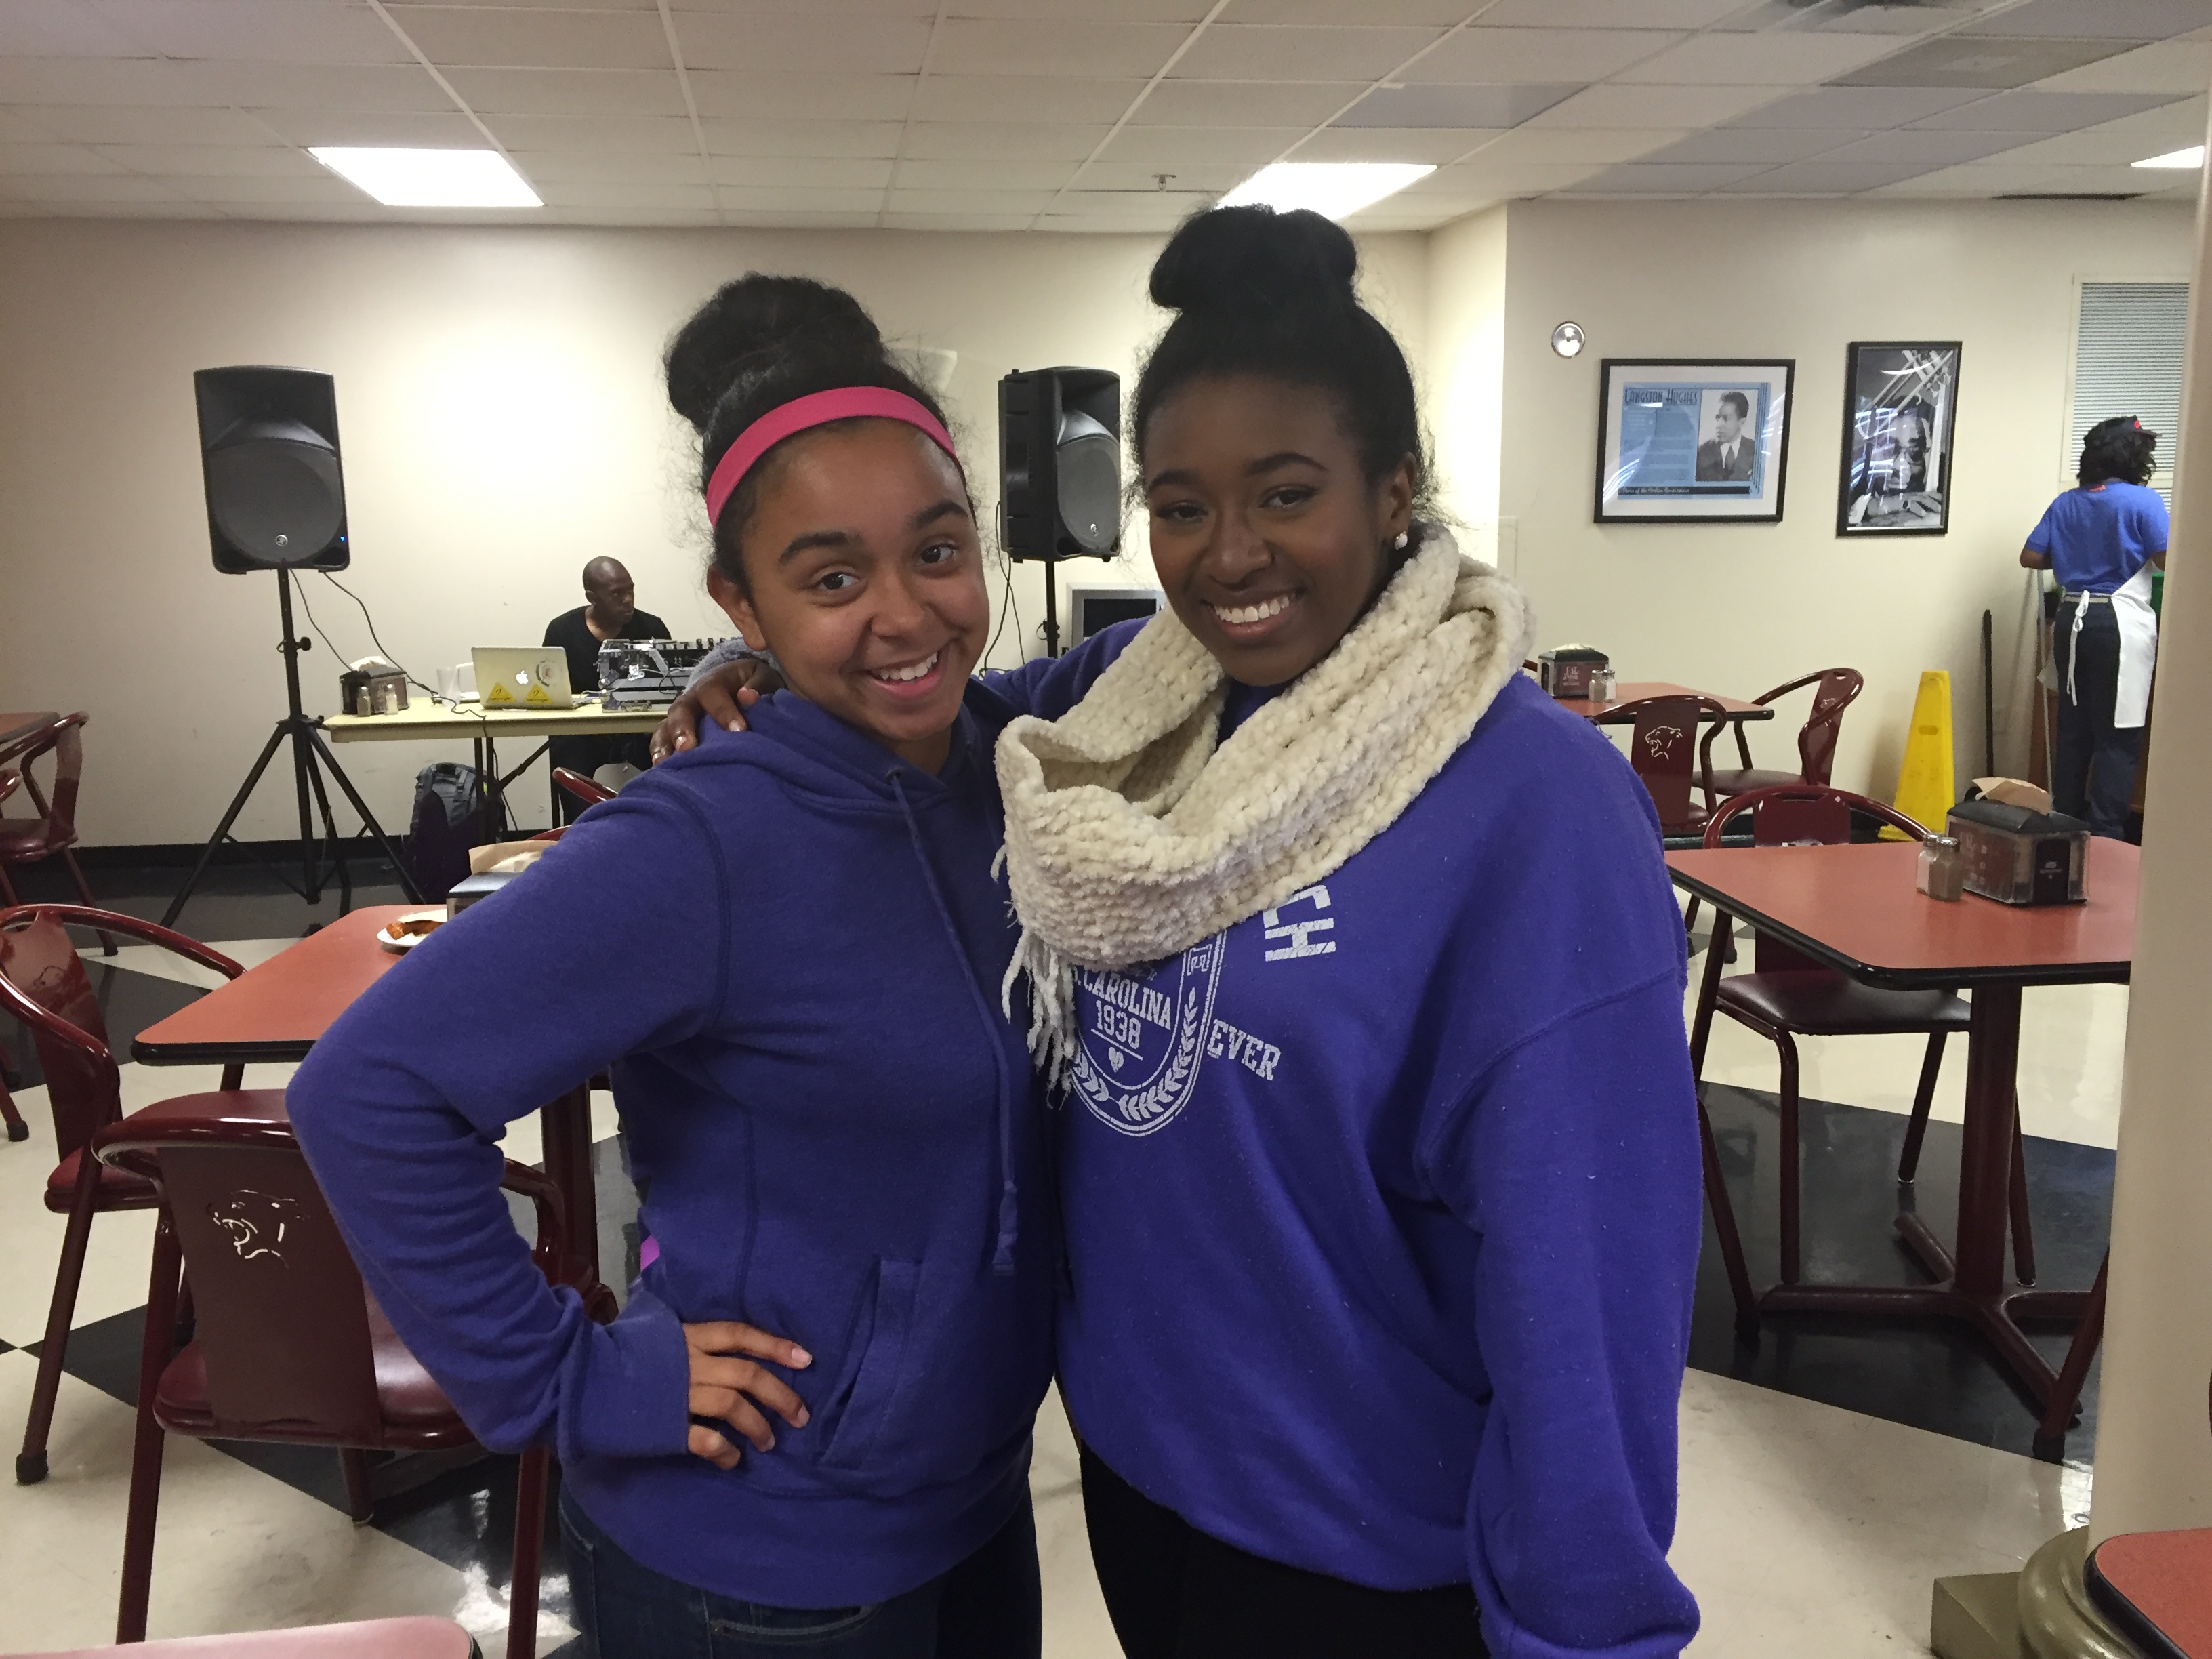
pixel 287 1344
pixel 53 831
pixel 43 984
pixel 1787 995
pixel 1663 748
pixel 1837 690
pixel 588 791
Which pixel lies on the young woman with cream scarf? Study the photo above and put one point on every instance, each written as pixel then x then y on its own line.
pixel 1354 962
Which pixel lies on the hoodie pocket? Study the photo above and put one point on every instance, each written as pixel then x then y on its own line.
pixel 876 1382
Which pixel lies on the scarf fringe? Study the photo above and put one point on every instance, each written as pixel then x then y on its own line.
pixel 1053 1037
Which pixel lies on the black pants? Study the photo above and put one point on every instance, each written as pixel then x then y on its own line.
pixel 1175 1593
pixel 2093 768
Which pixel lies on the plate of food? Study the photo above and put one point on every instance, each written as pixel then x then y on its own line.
pixel 404 933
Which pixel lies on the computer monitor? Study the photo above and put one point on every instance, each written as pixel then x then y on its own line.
pixel 1090 608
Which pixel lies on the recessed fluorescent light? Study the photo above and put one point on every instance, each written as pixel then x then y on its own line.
pixel 431 178
pixel 1335 189
pixel 2191 157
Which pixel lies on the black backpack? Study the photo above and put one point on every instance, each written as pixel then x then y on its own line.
pixel 447 822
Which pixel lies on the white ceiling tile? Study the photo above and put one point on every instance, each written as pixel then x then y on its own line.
pixel 1548 145
pixel 2117 143
pixel 1432 106
pixel 946 97
pixel 843 11
pixel 993 45
pixel 603 194
pixel 1845 108
pixel 1244 103
pixel 103 124
pixel 2031 111
pixel 1653 179
pixel 1992 61
pixel 409 129
pixel 969 223
pixel 1271 52
pixel 659 133
pixel 802 172
pixel 1170 146
pixel 1892 17
pixel 136 81
pixel 224 188
pixel 1608 14
pixel 1757 60
pixel 788 219
pixel 754 43
pixel 729 93
pixel 1189 180
pixel 2183 66
pixel 557 166
pixel 1824 178
pixel 1479 180
pixel 255 31
pixel 1094 214
pixel 1768 146
pixel 801 138
pixel 568 92
pixel 1432 144
pixel 168 206
pixel 15 130
pixel 982 175
pixel 307 86
pixel 627 218
pixel 60 28
pixel 507 37
pixel 1032 141
pixel 1441 14
pixel 78 187
pixel 1395 213
pixel 786 198
pixel 1611 106
pixel 1929 149
pixel 229 161
pixel 569 5
pixel 1500 56
pixel 2140 19
pixel 1124 11
pixel 967 201
pixel 55 158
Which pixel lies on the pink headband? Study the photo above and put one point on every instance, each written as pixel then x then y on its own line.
pixel 818 409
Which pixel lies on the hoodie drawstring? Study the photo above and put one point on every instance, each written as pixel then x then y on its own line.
pixel 1009 1225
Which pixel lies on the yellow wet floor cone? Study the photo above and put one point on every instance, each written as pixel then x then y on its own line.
pixel 1926 791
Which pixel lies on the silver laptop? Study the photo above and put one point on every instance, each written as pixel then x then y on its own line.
pixel 531 678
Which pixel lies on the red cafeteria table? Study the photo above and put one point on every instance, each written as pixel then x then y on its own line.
pixel 276 1011
pixel 1628 691
pixel 1854 908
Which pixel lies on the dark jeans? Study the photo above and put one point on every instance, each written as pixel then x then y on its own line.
pixel 1175 1593
pixel 987 1607
pixel 2093 768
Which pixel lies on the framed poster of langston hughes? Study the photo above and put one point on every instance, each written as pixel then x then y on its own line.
pixel 1900 403
pixel 1693 439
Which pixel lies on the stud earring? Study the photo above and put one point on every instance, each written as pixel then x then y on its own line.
pixel 1399 545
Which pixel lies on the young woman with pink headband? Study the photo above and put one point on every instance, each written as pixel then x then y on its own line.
pixel 844 1151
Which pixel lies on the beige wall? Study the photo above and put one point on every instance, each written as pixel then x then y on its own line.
pixel 1737 609
pixel 1464 385
pixel 502 421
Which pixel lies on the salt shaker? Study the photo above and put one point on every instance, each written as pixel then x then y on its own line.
pixel 1601 684
pixel 1943 873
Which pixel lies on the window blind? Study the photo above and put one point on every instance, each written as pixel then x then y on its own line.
pixel 2127 361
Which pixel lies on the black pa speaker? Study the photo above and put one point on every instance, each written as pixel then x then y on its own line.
pixel 1060 464
pixel 269 458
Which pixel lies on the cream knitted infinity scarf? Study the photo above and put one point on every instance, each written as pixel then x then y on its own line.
pixel 1130 836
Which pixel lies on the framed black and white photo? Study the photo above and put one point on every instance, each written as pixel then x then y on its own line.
pixel 1691 440
pixel 1900 403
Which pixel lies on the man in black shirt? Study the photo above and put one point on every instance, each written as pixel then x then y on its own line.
pixel 610 612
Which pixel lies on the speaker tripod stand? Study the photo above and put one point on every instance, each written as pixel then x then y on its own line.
pixel 311 757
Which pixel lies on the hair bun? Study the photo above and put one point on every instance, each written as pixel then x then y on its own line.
pixel 1237 256
pixel 753 322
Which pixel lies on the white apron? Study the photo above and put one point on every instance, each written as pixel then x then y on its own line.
pixel 2138 649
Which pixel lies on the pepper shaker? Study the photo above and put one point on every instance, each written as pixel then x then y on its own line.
pixel 1942 871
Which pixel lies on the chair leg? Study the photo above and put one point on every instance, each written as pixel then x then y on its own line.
pixel 146 1450
pixel 7 889
pixel 17 1130
pixel 529 1533
pixel 2023 1229
pixel 1915 1130
pixel 31 1462
pixel 1690 916
pixel 1731 1242
pixel 1792 1252
pixel 2066 1393
pixel 360 1496
pixel 84 892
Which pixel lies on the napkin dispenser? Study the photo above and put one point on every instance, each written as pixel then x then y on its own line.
pixel 1566 671
pixel 2017 856
pixel 372 686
